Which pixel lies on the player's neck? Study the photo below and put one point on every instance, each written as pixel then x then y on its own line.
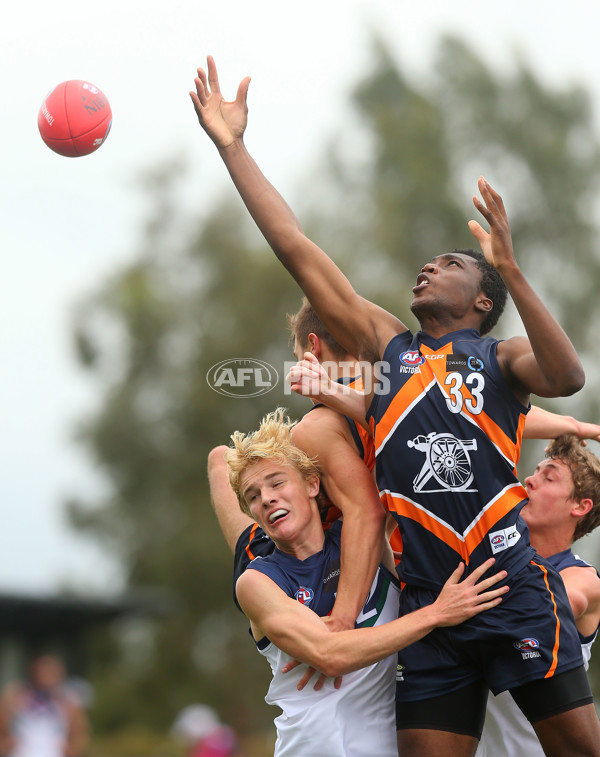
pixel 440 327
pixel 305 545
pixel 550 544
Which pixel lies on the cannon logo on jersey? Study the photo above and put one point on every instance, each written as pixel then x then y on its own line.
pixel 447 465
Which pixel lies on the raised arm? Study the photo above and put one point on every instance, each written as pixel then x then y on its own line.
pixel 231 519
pixel 531 365
pixel 302 635
pixel 358 326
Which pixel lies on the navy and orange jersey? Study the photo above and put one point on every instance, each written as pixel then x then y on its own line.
pixel 448 434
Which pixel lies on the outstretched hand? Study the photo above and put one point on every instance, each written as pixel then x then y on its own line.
pixel 460 600
pixel 223 121
pixel 497 245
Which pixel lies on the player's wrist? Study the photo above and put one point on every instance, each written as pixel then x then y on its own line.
pixel 432 617
pixel 231 146
pixel 341 621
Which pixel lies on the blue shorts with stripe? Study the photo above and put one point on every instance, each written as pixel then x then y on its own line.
pixel 529 636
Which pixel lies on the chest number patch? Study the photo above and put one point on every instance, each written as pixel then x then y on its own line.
pixel 475 383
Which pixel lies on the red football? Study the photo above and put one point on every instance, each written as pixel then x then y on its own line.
pixel 75 118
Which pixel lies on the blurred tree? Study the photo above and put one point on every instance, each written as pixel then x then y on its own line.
pixel 389 201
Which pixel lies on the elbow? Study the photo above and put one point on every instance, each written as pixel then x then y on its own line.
pixel 566 382
pixel 329 660
pixel 573 383
pixel 332 667
pixel 216 457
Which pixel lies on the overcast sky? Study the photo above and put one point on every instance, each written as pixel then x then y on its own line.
pixel 68 223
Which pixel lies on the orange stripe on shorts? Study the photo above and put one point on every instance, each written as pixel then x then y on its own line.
pixel 550 672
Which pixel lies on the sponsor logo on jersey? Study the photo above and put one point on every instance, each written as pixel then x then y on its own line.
pixel 331 579
pixel 304 595
pixel 528 647
pixel 504 539
pixel 464 363
pixel 399 673
pixel 412 358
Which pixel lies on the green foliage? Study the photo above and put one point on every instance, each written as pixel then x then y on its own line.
pixel 206 289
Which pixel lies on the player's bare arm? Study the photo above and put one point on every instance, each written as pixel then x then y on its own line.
pixel 543 424
pixel 309 379
pixel 360 327
pixel 583 590
pixel 324 435
pixel 225 504
pixel 545 363
pixel 300 633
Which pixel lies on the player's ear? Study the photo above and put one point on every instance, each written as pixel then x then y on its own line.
pixel 483 303
pixel 313 485
pixel 582 508
pixel 314 345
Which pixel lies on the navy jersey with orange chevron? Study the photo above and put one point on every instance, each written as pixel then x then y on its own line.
pixel 448 435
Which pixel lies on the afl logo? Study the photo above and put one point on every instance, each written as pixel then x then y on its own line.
pixel 497 539
pixel 242 377
pixel 412 357
pixel 304 596
pixel 529 643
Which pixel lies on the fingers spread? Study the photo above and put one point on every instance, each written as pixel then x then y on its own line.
pixel 213 78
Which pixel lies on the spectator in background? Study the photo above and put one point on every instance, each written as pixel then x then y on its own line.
pixel 199 726
pixel 42 717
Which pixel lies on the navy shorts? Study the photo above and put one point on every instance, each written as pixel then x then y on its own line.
pixel 530 635
pixel 253 542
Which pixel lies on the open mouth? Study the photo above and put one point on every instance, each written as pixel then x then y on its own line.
pixel 422 282
pixel 277 515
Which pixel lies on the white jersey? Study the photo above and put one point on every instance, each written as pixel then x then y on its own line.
pixel 507 732
pixel 358 719
pixel 40 727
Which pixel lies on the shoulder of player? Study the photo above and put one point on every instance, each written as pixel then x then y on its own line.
pixel 321 423
pixel 583 579
pixel 514 347
pixel 253 588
